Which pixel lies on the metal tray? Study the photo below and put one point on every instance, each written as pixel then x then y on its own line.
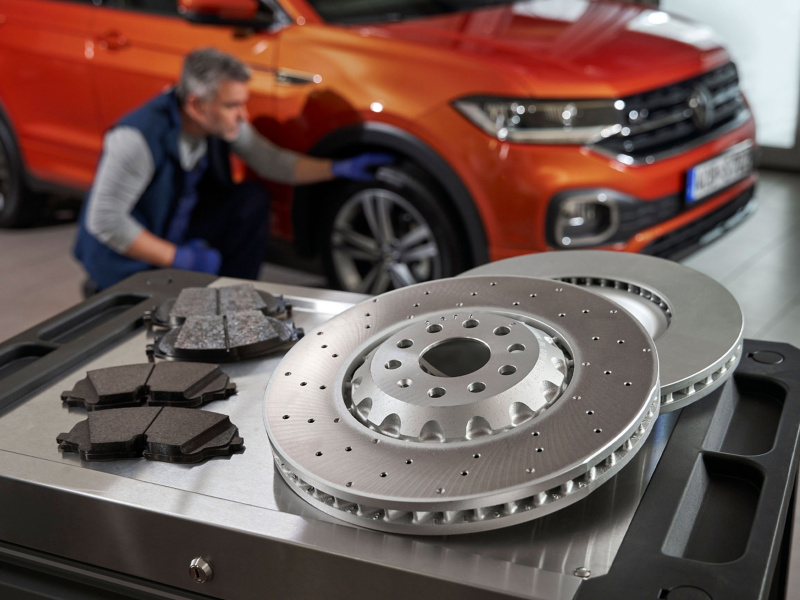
pixel 134 527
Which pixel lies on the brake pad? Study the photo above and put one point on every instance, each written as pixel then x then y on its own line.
pixel 227 338
pixel 109 435
pixel 210 302
pixel 185 385
pixel 177 435
pixel 191 436
pixel 188 385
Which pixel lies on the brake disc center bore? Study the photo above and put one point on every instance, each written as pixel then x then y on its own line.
pixel 455 357
pixel 458 376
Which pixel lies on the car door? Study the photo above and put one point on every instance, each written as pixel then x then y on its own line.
pixel 47 87
pixel 141 45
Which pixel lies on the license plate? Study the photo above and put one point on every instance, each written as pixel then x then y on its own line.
pixel 720 172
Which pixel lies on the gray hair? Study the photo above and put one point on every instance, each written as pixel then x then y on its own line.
pixel 205 69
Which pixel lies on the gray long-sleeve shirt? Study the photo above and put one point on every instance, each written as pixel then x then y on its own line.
pixel 127 168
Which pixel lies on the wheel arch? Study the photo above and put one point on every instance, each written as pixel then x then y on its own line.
pixel 381 136
pixel 5 119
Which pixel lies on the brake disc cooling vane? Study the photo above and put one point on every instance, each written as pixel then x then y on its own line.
pixel 463 404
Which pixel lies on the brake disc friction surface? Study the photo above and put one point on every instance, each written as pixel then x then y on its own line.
pixel 462 405
pixel 697 324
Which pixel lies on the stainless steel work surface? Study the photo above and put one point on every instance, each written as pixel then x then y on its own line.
pixel 243 492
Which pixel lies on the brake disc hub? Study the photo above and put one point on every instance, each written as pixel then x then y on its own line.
pixel 457 377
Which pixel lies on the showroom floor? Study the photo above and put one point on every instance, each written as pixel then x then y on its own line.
pixel 759 262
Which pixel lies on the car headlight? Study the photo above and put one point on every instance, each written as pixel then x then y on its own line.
pixel 587 218
pixel 543 122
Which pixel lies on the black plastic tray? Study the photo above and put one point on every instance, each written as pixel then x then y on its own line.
pixel 42 353
pixel 711 522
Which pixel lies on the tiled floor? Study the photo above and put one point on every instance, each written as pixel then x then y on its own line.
pixel 38 276
pixel 759 262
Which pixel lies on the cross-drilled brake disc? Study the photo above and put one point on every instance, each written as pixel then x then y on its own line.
pixel 696 323
pixel 463 404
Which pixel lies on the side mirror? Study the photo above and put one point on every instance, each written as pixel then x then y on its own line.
pixel 239 13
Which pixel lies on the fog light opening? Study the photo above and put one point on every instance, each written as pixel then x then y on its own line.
pixel 586 220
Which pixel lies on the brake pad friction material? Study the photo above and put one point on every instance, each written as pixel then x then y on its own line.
pixel 166 384
pixel 252 327
pixel 202 333
pixel 238 298
pixel 188 384
pixel 169 434
pixel 239 336
pixel 190 436
pixel 210 302
pixel 111 387
pixel 110 435
pixel 195 302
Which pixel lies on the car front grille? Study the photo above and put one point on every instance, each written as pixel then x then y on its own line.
pixel 658 122
pixel 683 241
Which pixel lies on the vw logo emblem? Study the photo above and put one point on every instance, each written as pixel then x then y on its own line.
pixel 701 104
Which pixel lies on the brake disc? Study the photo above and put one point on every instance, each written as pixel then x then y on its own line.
pixel 696 323
pixel 462 405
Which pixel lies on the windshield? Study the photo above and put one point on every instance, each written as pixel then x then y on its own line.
pixel 365 11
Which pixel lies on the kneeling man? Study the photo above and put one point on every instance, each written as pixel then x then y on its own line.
pixel 163 195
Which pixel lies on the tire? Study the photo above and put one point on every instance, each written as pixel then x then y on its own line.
pixel 393 232
pixel 18 206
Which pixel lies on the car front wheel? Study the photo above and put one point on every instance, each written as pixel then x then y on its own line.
pixel 18 207
pixel 391 233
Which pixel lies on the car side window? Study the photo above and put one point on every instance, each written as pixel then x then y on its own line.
pixel 161 7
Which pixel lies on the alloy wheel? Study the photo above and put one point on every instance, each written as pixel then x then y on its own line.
pixel 380 240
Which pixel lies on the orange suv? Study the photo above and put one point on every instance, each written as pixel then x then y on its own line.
pixel 517 126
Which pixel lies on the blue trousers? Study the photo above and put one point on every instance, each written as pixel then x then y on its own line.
pixel 237 225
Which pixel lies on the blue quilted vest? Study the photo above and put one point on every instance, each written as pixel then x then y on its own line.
pixel 160 124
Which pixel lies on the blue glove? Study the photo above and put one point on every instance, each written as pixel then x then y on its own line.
pixel 357 168
pixel 195 255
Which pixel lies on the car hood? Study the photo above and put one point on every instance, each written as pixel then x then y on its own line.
pixel 568 48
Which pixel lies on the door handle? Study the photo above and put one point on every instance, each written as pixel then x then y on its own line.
pixel 113 40
pixel 290 77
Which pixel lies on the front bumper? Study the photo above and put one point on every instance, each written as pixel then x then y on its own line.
pixel 513 184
